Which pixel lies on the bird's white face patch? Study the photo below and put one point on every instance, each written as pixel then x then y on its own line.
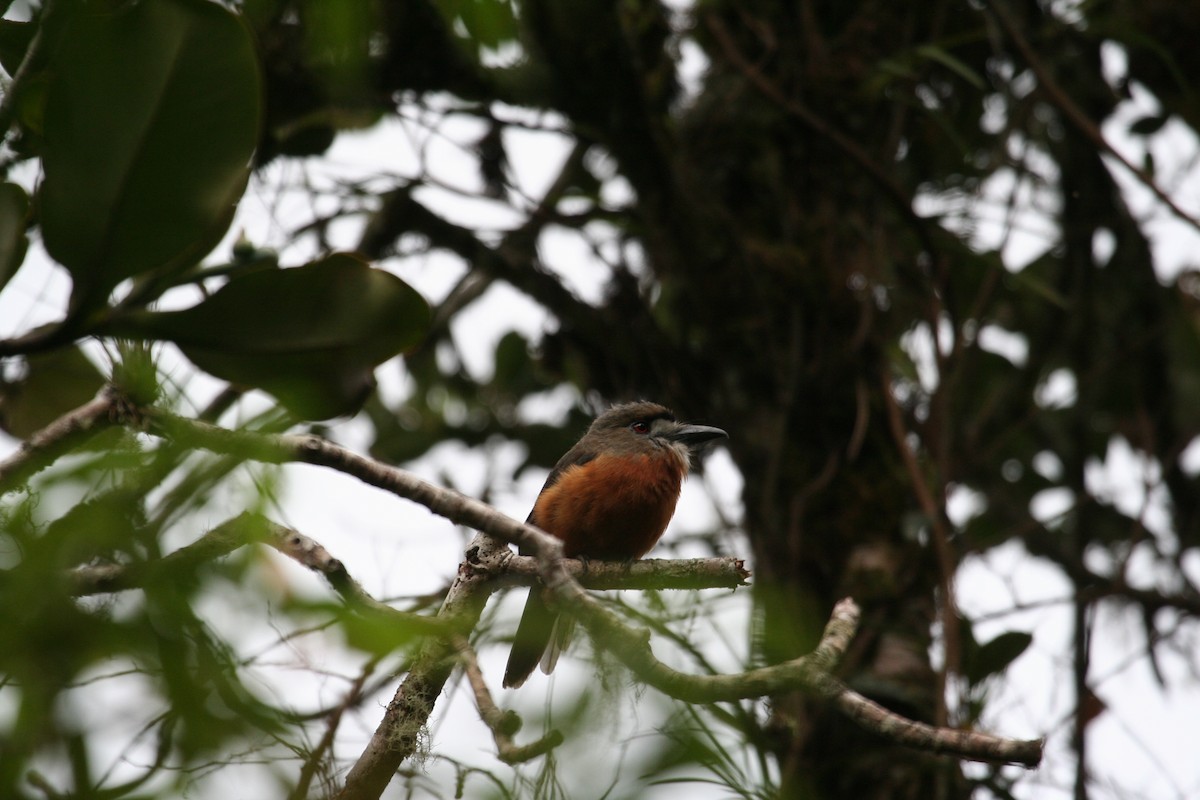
pixel 683 453
pixel 659 429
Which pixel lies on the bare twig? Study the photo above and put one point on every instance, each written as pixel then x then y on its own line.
pixel 1076 115
pixel 58 438
pixel 649 573
pixel 502 724
pixel 941 547
pixel 313 762
pixel 218 542
pixel 398 734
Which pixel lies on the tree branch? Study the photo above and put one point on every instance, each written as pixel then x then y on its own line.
pixel 229 536
pixel 310 449
pixel 812 673
pixel 949 741
pixel 60 437
pixel 218 542
pixel 398 733
pixel 649 573
pixel 502 724
pixel 312 554
pixel 948 611
pixel 313 762
pixel 1076 115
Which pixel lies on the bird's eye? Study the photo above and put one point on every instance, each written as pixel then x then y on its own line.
pixel 641 426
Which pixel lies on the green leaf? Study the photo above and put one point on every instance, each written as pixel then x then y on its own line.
pixel 54 383
pixel 14 43
pixel 943 57
pixel 311 335
pixel 151 120
pixel 489 23
pixel 1148 125
pixel 1039 278
pixel 338 37
pixel 375 634
pixel 14 211
pixel 995 656
pixel 513 365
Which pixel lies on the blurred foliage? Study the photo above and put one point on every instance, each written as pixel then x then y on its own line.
pixel 818 239
pixel 117 200
pixel 311 335
pixel 53 383
pixel 152 119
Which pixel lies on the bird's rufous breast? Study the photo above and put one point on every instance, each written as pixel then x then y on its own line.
pixel 612 508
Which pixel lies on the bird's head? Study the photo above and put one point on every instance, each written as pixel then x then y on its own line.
pixel 645 428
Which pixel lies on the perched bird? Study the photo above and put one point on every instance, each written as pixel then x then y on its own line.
pixel 609 498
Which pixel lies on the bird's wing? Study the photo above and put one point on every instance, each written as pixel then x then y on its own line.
pixel 537 625
pixel 575 457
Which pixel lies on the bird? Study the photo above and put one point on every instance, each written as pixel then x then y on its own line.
pixel 608 498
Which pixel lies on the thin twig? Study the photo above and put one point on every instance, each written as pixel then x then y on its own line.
pixel 899 197
pixel 941 548
pixel 311 764
pixel 58 438
pixel 1075 115
pixel 502 724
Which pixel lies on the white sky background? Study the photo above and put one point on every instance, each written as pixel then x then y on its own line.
pixel 1144 746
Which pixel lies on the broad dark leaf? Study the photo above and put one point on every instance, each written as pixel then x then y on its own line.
pixel 151 120
pixel 14 209
pixel 996 655
pixel 311 335
pixel 54 383
pixel 1148 125
pixel 513 365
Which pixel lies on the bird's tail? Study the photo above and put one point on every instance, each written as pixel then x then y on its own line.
pixel 560 639
pixel 531 640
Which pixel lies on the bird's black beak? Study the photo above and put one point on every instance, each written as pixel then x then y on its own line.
pixel 695 435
